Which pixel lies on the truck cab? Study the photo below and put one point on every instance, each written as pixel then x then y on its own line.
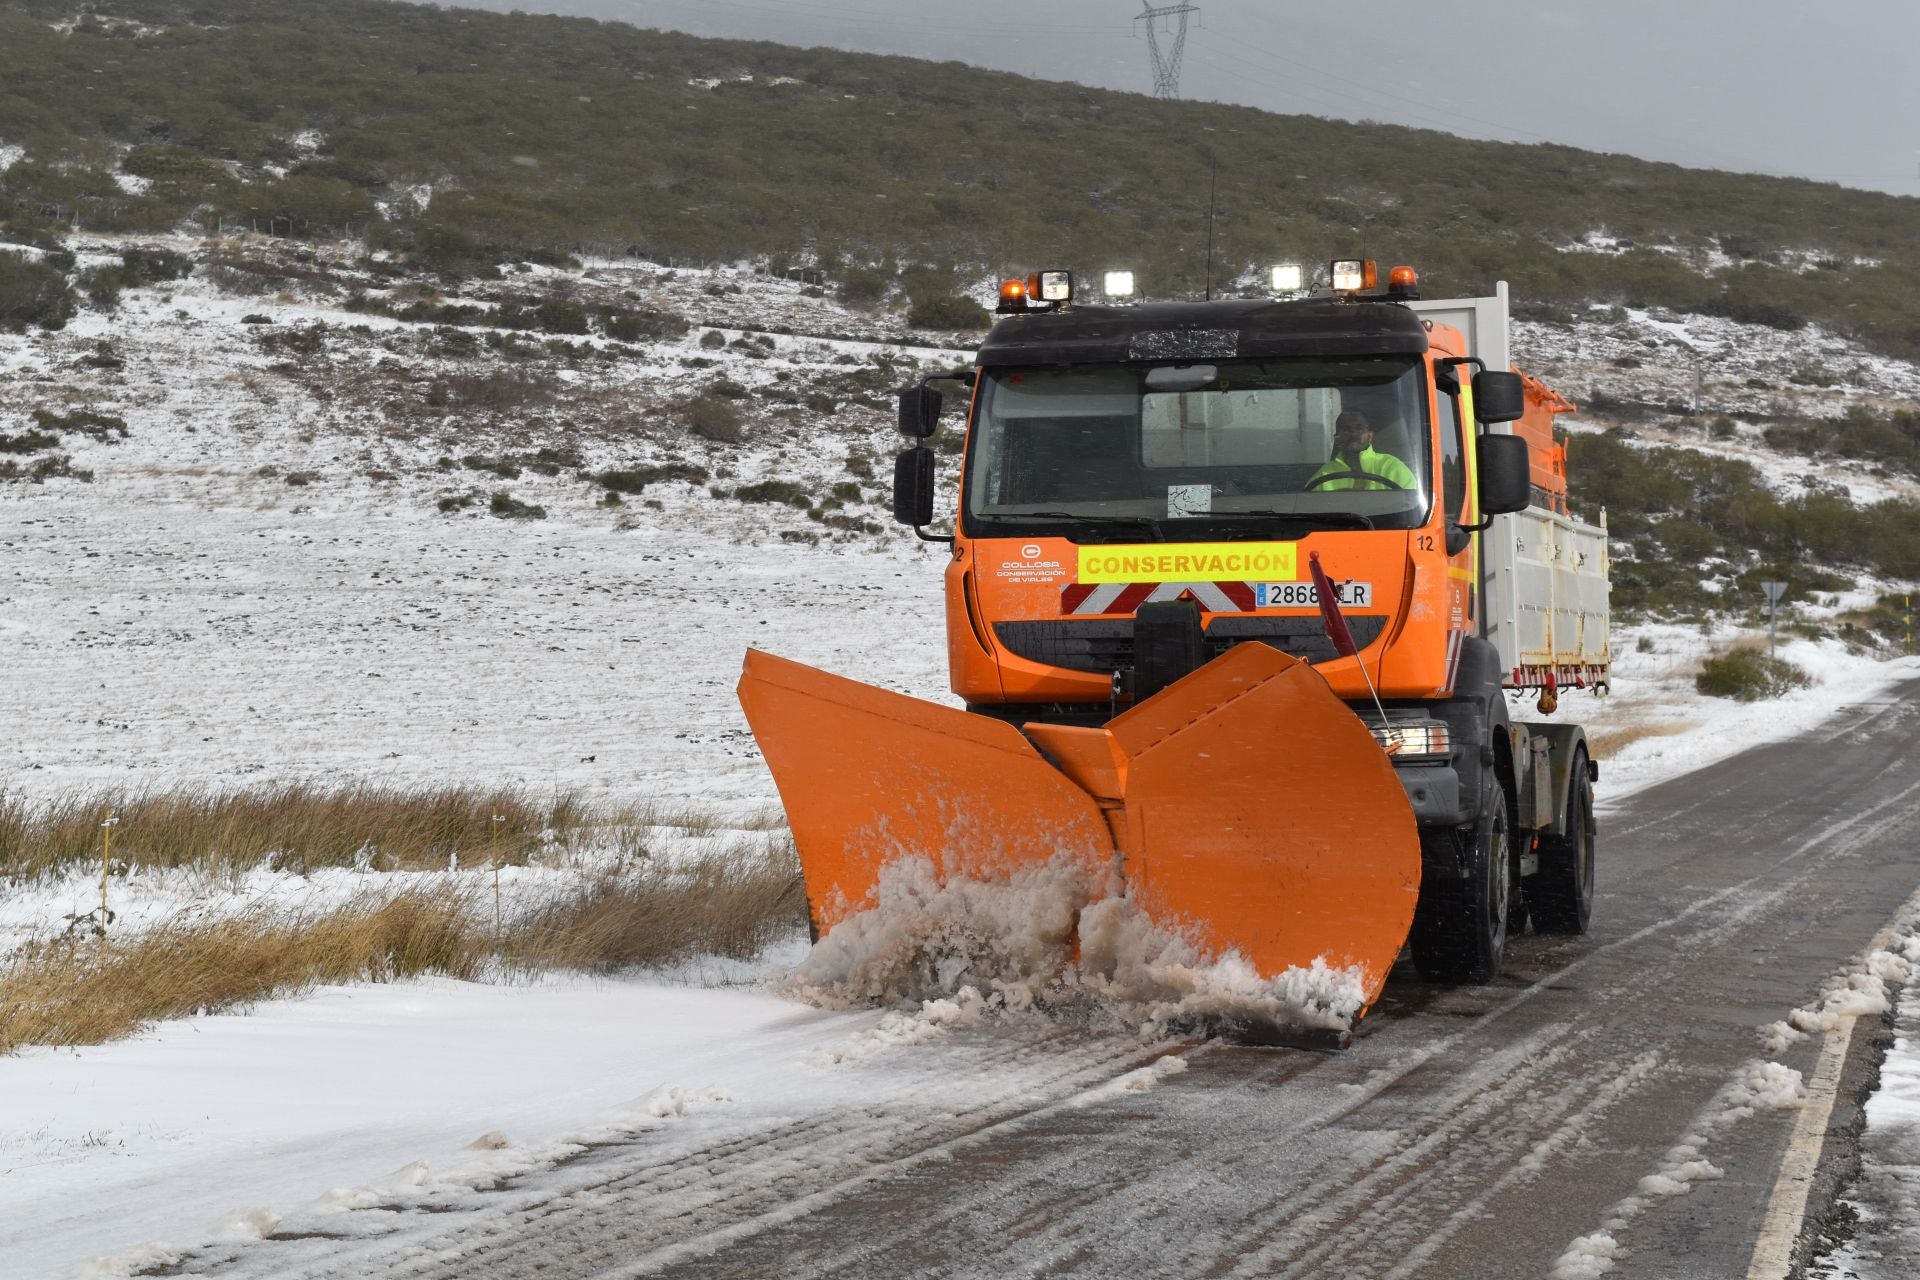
pixel 1144 487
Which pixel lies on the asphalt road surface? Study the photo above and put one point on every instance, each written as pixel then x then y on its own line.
pixel 1467 1133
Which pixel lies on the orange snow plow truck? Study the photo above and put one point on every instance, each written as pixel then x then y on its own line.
pixel 1239 591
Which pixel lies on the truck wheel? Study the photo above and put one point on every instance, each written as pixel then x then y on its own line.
pixel 1460 930
pixel 1561 892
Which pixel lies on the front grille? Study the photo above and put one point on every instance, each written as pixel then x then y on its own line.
pixel 1106 644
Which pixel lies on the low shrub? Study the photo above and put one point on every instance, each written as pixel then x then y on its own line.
pixel 104 427
pixel 53 466
pixel 501 467
pixel 636 479
pixel 948 311
pixel 631 324
pixel 33 293
pixel 715 419
pixel 507 507
pixel 1748 675
pixel 294 340
pixel 508 389
pixel 102 285
pixel 782 491
pixel 153 266
pixel 28 442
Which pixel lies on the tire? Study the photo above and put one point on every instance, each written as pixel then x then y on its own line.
pixel 1460 929
pixel 1561 892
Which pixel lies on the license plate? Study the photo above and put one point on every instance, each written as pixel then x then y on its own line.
pixel 1303 595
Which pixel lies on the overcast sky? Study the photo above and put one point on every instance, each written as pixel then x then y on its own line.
pixel 1816 90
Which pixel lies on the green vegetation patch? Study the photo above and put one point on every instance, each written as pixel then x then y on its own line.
pixel 1672 513
pixel 1748 675
pixel 603 138
pixel 636 479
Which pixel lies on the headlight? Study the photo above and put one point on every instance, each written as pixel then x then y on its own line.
pixel 1413 739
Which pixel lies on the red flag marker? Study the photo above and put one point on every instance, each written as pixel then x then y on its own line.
pixel 1330 609
pixel 1342 638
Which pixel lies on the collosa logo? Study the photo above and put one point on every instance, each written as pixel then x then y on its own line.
pixel 1031 551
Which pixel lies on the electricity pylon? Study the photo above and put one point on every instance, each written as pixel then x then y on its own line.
pixel 1166 64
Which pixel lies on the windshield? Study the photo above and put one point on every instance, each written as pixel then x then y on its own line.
pixel 1237 448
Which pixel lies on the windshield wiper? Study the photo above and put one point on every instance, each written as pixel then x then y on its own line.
pixel 1152 526
pixel 1327 519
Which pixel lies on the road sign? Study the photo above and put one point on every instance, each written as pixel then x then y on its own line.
pixel 1774 591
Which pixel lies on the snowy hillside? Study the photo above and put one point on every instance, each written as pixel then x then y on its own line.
pixel 308 544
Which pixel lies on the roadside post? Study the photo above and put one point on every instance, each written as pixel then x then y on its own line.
pixel 1774 591
pixel 497 820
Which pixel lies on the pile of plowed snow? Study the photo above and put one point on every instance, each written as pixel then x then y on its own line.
pixel 1059 940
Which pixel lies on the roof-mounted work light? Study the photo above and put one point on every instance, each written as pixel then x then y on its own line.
pixel 1119 284
pixel 1053 286
pixel 1288 278
pixel 1351 275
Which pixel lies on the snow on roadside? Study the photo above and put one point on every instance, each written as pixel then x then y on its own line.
pixel 1886 1191
pixel 181 1125
pixel 1757 1087
pixel 1664 727
pixel 1884 1243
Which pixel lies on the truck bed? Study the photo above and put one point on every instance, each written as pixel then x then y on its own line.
pixel 1545 579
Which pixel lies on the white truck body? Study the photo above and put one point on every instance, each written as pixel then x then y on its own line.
pixel 1543 576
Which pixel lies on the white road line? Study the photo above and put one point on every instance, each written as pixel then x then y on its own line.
pixel 1787 1206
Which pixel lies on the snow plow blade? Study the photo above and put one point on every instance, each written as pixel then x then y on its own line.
pixel 1251 811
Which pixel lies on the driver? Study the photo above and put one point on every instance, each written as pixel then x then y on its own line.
pixel 1355 463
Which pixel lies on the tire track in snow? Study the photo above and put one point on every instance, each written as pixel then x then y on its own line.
pixel 578 1219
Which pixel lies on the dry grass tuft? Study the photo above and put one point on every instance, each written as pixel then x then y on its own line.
pixel 75 991
pixel 297 826
pixel 733 902
pixel 1603 743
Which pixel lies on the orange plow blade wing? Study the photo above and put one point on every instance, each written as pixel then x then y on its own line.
pixel 1253 812
pixel 868 777
pixel 1263 818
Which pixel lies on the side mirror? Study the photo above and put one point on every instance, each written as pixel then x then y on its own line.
pixel 1498 397
pixel 913 484
pixel 1506 483
pixel 919 411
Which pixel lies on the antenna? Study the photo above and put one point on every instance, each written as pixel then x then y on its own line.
pixel 1213 174
pixel 1166 65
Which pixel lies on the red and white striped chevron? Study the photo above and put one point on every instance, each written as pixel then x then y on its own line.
pixel 1125 597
